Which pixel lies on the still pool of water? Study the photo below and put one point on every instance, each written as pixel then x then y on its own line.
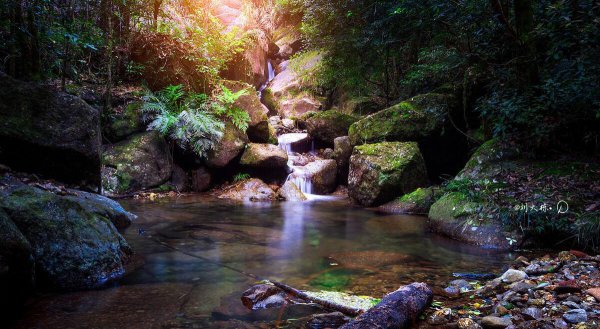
pixel 318 245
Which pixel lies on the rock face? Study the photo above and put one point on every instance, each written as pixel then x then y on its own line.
pixel 248 190
pixel 200 180
pixel 228 148
pixel 326 126
pixel 290 192
pixel 259 129
pixel 323 175
pixel 102 206
pixel 380 172
pixel 342 151
pixel 265 156
pixel 49 132
pixel 74 245
pixel 140 162
pixel 124 124
pixel 411 120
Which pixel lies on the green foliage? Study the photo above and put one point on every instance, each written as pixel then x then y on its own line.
pixel 224 106
pixel 240 177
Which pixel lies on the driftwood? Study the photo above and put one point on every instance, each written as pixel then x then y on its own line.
pixel 398 309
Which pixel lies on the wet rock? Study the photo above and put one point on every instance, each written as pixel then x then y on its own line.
pixel 140 162
pixel 439 317
pixel 200 180
pixel 327 125
pixel 229 147
pixel 342 150
pixel 417 202
pixel 49 132
pixel 467 323
pixel 102 206
pixel 575 316
pixel 463 285
pixel 568 286
pixel 322 174
pixel 411 120
pixel 248 190
pixel 72 247
pixel 329 320
pixel 179 179
pixel 532 313
pixel 263 296
pixel 595 292
pixel 290 192
pixel 264 156
pixel 512 275
pixel 380 172
pixel 521 287
pixel 452 291
pixel 494 322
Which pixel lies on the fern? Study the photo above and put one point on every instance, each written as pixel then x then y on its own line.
pixel 225 106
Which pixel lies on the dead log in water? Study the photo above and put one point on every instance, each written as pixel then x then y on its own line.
pixel 399 309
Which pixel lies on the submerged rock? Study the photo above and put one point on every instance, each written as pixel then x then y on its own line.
pixel 49 132
pixel 322 174
pixel 290 192
pixel 328 320
pixel 417 202
pixel 248 190
pixel 265 156
pixel 263 296
pixel 74 245
pixel 326 126
pixel 380 172
pixel 140 162
pixel 229 147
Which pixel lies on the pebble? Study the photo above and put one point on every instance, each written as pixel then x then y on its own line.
pixel 533 313
pixel 575 316
pixel 594 292
pixel 466 323
pixel 521 287
pixel 494 322
pixel 537 302
pixel 512 275
pixel 463 285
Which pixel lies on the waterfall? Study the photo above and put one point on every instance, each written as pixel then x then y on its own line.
pixel 270 78
pixel 293 144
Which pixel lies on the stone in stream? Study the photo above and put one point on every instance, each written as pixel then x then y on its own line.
pixel 512 275
pixel 229 147
pixel 322 175
pixel 264 156
pixel 342 150
pixel 380 172
pixel 290 192
pixel 263 296
pixel 327 125
pixel 200 180
pixel 467 323
pixel 494 322
pixel 398 309
pixel 328 320
pixel 49 132
pixel 74 243
pixel 140 162
pixel 417 202
pixel 248 190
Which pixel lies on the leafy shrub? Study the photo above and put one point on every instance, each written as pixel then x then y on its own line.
pixel 240 177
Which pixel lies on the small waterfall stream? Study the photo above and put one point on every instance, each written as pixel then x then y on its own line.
pixel 295 144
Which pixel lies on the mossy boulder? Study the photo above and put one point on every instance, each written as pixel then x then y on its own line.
pixel 16 264
pixel 342 151
pixel 229 147
pixel 140 162
pixel 124 124
pixel 103 206
pixel 73 247
pixel 49 132
pixel 258 127
pixel 265 156
pixel 322 174
pixel 489 159
pixel 456 216
pixel 411 120
pixel 253 189
pixel 380 172
pixel 327 125
pixel 417 202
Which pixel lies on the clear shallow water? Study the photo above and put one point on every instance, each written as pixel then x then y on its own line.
pixel 318 245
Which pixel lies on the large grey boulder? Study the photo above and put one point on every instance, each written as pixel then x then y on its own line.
pixel 49 132
pixel 327 125
pixel 383 171
pixel 265 156
pixel 140 162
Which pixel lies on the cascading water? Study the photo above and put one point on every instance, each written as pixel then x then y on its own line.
pixel 293 144
pixel 270 78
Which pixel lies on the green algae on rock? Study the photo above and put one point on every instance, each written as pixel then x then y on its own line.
pixel 327 125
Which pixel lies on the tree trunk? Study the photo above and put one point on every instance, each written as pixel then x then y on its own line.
pixel 524 24
pixel 399 309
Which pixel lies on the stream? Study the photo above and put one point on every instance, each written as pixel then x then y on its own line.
pixel 316 245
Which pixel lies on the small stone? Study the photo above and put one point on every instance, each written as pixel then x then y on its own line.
pixel 522 259
pixel 521 287
pixel 329 320
pixel 463 285
pixel 466 323
pixel 501 310
pixel 560 324
pixel 595 292
pixel 532 313
pixel 494 322
pixel 566 256
pixel 537 302
pixel 571 305
pixel 512 275
pixel 452 291
pixel 575 316
pixel 439 317
pixel 565 287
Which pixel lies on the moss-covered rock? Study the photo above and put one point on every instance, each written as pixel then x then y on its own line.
pixel 73 248
pixel 456 216
pixel 248 190
pixel 265 156
pixel 229 147
pixel 140 162
pixel 379 172
pixel 49 132
pixel 290 192
pixel 489 159
pixel 342 150
pixel 124 124
pixel 102 206
pixel 411 120
pixel 360 106
pixel 258 127
pixel 327 125
pixel 417 202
